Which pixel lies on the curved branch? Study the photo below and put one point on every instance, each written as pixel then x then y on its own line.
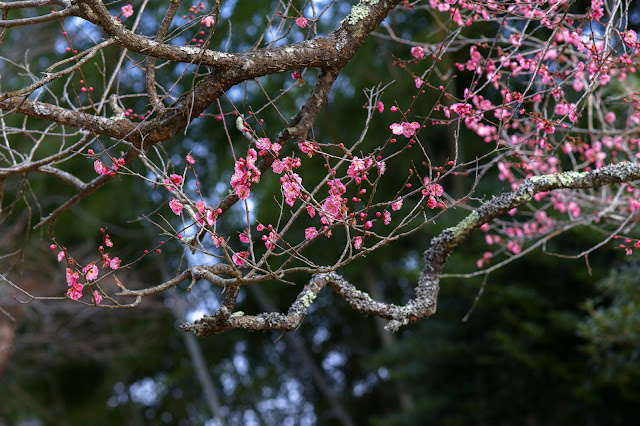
pixel 223 321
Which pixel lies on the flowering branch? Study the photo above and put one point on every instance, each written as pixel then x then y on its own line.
pixel 424 303
pixel 534 104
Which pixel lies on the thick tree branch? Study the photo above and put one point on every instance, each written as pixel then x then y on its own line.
pixel 116 128
pixel 358 300
pixel 323 52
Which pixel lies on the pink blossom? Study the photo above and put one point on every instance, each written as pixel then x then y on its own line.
pixel 311 211
pixel 217 240
pixel 211 217
pixel 357 243
pixel 574 209
pixel 418 82
pixel 243 191
pixel 174 182
pixel 238 258
pixel 101 169
pixel 244 237
pixel 176 206
pixel 207 21
pixel 514 247
pixel 90 271
pixel 464 110
pixel 396 205
pixel 296 75
pixel 630 38
pixel 278 166
pixel 382 167
pixel 307 147
pixel 200 207
pixel 114 263
pixel 75 292
pixel 302 22
pixel 597 10
pixel 97 297
pixel 380 107
pixel 387 217
pixel 61 256
pixel 291 187
pixel 357 168
pixel 337 187
pixel 546 126
pixel 368 225
pixel 310 233
pixel 332 208
pixel 127 11
pixel 260 227
pixel 117 162
pixel 417 52
pixel 431 202
pixel 72 277
pixel 610 117
pixel 190 159
pixel 270 240
pixel 263 143
pixel 107 241
pixel 396 128
pixel 434 189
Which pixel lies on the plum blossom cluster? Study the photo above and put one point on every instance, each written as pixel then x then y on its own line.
pixel 90 272
pixel 405 129
pixel 101 169
pixel 359 168
pixel 432 191
pixel 245 174
pixel 628 244
pixel 512 237
pixel 541 107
